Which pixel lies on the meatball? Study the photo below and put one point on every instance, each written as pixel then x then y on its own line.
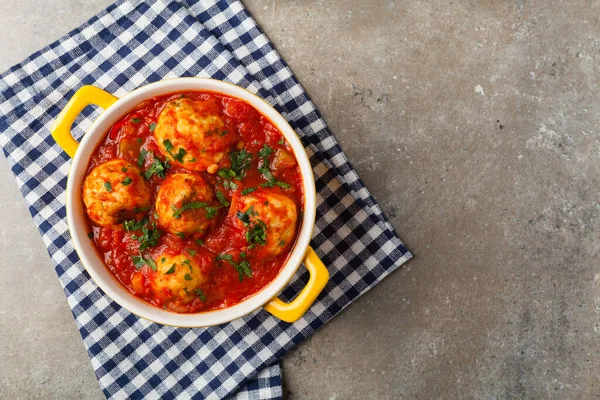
pixel 114 192
pixel 192 134
pixel 269 220
pixel 177 278
pixel 185 205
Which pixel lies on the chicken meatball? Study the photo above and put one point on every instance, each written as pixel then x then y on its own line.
pixel 114 192
pixel 192 134
pixel 177 278
pixel 185 205
pixel 269 220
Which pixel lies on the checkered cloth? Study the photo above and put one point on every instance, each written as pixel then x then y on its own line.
pixel 128 45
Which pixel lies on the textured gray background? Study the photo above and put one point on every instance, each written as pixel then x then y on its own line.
pixel 476 126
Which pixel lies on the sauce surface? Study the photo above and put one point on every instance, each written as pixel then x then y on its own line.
pixel 224 222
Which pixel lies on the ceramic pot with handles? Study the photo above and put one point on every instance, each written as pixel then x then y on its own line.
pixel 114 109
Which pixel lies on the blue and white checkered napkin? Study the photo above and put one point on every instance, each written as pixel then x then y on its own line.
pixel 128 45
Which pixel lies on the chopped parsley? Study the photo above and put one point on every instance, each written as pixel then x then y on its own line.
pixel 230 185
pixel 264 154
pixel 139 140
pixel 126 181
pixel 192 252
pixel 187 277
pixel 152 126
pixel 142 157
pixel 134 225
pixel 243 267
pixel 171 270
pixel 240 161
pixel 139 261
pixel 189 206
pixel 181 235
pixel 200 294
pixel 222 199
pixel 136 120
pixel 162 260
pixel 157 168
pixel 108 186
pixel 245 216
pixel 180 154
pixel 224 133
pixel 210 211
pixel 149 237
pixel 281 243
pixel 200 242
pixel 257 235
pixel 248 190
pixel 281 142
pixel 124 169
pixel 91 235
pixel 271 181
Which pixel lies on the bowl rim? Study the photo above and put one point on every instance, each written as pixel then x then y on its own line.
pixel 86 251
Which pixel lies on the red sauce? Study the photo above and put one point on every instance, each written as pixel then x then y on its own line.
pixel 225 286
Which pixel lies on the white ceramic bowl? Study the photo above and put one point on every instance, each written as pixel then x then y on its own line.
pixel 115 109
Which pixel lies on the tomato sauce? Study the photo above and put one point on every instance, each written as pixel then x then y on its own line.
pixel 226 285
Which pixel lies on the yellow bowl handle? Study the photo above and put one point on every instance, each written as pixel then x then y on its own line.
pixel 87 95
pixel 291 312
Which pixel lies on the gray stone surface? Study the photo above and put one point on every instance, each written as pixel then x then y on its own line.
pixel 475 125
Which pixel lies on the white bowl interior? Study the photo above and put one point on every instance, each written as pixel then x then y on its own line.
pixel 85 248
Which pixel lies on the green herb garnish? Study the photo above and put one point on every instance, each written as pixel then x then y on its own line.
pixel 157 168
pixel 221 198
pixel 187 277
pixel 171 270
pixel 245 216
pixel 142 157
pixel 240 161
pixel 248 190
pixel 271 181
pixel 108 186
pixel 210 211
pixel 192 252
pixel 124 169
pixel 264 153
pixel 200 242
pixel 230 185
pixel 149 237
pixel 189 206
pixel 134 225
pixel 243 267
pixel 136 120
pixel 91 235
pixel 180 154
pixel 200 294
pixel 126 181
pixel 181 235
pixel 257 235
pixel 139 261
pixel 281 142
pixel 152 126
